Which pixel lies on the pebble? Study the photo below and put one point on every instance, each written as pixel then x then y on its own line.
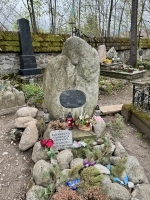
pixel 130 185
pixel 4 153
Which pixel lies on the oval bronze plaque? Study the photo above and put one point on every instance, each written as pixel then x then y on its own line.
pixel 72 98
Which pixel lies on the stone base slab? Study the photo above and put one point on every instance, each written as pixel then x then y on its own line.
pixel 80 135
pixel 123 75
pixel 28 72
pixel 110 109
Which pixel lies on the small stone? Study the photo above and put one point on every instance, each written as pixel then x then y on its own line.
pixel 4 153
pixel 130 185
pixel 100 141
pixel 94 143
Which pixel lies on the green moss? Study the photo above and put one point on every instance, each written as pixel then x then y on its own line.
pixel 48 37
pixel 8 35
pixel 47 49
pixel 146 64
pixel 90 177
pixel 10 49
pixel 74 172
pixel 140 114
pixel 10 43
pixel 53 43
pixel 47 44
pixel 30 184
pixel 139 135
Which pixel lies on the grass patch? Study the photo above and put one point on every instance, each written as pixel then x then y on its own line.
pixel 108 85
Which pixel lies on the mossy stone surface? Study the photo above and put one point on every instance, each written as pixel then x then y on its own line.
pixel 140 114
pixel 44 42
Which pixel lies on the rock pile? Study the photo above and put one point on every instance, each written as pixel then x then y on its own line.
pixel 25 118
pixel 137 187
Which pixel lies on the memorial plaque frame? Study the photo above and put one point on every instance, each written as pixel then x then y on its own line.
pixel 62 139
pixel 72 98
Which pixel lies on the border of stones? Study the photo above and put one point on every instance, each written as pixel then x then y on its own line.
pixel 123 75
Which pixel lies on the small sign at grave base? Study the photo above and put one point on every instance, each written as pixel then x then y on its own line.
pixel 62 139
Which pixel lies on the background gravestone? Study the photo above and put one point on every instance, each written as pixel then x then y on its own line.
pixel 102 53
pixel 76 68
pixel 27 57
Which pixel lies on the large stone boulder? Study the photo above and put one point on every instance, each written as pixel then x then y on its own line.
pixel 23 122
pixel 75 162
pixel 32 194
pixel 27 111
pixel 64 158
pixel 99 128
pixel 41 173
pixel 29 137
pixel 39 153
pixel 135 171
pixel 102 169
pixel 116 191
pixel 77 67
pixel 142 191
pixel 120 151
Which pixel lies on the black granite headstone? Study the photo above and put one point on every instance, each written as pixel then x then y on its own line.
pixel 27 57
pixel 72 98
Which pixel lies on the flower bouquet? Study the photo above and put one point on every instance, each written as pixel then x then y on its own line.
pixel 107 61
pixel 85 122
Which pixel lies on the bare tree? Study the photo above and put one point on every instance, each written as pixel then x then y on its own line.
pixel 133 40
pixel 30 5
pixel 120 21
pixel 109 20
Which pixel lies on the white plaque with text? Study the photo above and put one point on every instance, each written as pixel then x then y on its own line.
pixel 62 139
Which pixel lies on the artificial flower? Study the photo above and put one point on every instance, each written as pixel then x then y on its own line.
pixel 50 153
pixel 98 118
pixel 49 143
pixel 78 144
pixel 73 184
pixel 43 142
pixel 88 164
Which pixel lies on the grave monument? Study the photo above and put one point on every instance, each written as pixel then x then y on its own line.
pixel 102 53
pixel 27 57
pixel 76 68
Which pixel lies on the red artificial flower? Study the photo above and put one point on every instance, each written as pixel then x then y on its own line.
pixel 43 142
pixel 49 143
pixel 88 124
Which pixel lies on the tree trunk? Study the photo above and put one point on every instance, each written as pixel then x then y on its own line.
pixel 79 14
pixel 121 17
pixel 141 16
pixel 109 20
pixel 133 39
pixel 32 15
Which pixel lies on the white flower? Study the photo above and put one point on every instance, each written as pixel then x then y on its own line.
pixel 80 117
pixel 86 116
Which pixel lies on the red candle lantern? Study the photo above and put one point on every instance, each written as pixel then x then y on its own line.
pixel 69 121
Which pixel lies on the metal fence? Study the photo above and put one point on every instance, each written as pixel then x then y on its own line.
pixel 141 98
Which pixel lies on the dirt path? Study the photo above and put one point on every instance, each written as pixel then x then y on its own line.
pixel 15 166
